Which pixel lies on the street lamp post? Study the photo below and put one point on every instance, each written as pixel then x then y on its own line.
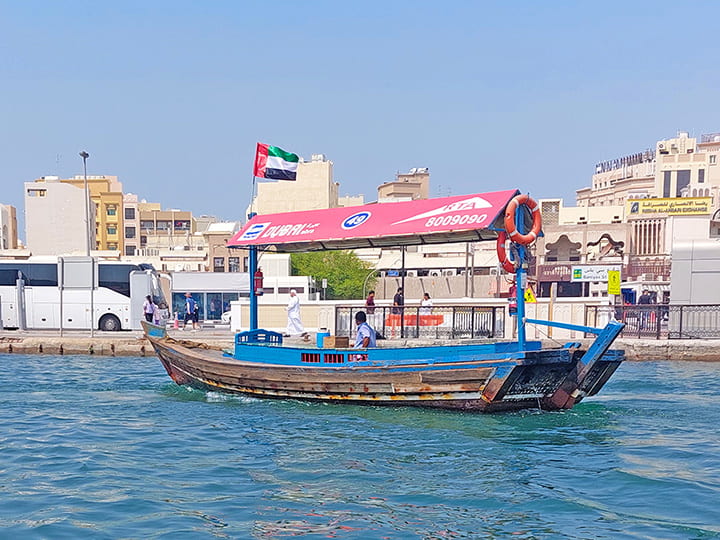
pixel 84 155
pixel 88 238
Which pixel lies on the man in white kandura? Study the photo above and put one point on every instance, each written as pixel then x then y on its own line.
pixel 294 326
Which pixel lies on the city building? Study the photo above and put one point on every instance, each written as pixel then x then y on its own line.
pixel 131 219
pixel 107 196
pixel 8 227
pixel 671 197
pixel 577 238
pixel 221 258
pixel 406 186
pixel 55 218
pixel 314 189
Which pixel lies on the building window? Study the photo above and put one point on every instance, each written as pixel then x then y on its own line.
pixel 666 183
pixel 163 225
pixel 701 176
pixel 129 232
pixel 713 159
pixel 130 250
pixel 36 192
pixel 233 264
pixel 218 264
pixel 111 210
pixel 112 229
pixel 129 213
pixel 683 181
pixel 182 224
pixel 112 245
pixel 147 225
pixel 143 241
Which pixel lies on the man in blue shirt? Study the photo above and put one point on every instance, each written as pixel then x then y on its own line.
pixel 365 334
pixel 190 311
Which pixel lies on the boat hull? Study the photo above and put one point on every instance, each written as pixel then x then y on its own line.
pixel 474 379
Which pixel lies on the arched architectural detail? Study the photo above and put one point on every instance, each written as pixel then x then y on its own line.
pixel 604 247
pixel 563 250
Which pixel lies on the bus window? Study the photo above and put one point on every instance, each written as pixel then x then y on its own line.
pixel 41 275
pixel 116 277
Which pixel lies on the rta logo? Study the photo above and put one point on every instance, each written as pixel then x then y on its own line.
pixel 355 220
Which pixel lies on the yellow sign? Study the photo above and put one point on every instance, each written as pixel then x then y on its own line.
pixel 682 206
pixel 613 282
pixel 530 296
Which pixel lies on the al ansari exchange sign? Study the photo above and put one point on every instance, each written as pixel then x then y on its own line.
pixel 682 206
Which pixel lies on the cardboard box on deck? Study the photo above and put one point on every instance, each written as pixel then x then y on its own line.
pixel 336 342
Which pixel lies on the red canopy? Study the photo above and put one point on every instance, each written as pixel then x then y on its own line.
pixel 464 218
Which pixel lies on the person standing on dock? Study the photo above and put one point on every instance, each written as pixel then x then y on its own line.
pixel 426 304
pixel 150 309
pixel 370 303
pixel 190 311
pixel 294 326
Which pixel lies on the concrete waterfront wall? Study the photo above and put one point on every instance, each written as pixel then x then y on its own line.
pixel 102 346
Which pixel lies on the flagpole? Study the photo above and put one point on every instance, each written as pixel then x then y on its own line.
pixel 253 266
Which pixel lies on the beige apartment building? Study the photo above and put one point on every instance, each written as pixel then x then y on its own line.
pixel 406 186
pixel 106 204
pixel 107 196
pixel 220 257
pixel 314 189
pixel 8 227
pixel 55 218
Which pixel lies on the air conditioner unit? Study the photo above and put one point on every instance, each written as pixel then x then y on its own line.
pixel 448 272
pixel 494 271
pixel 411 273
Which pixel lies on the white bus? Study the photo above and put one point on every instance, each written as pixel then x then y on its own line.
pixel 56 294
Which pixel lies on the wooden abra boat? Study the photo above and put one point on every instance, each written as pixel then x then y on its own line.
pixel 483 377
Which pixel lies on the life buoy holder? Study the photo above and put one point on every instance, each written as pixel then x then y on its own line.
pixel 510 227
pixel 505 261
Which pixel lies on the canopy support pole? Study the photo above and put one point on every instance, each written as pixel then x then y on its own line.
pixel 252 268
pixel 520 285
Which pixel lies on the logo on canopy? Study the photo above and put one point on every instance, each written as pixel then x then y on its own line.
pixel 253 232
pixel 355 220
pixel 472 203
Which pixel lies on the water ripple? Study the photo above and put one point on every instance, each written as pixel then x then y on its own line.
pixel 98 447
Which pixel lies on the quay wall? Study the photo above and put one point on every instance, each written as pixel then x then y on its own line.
pixel 124 345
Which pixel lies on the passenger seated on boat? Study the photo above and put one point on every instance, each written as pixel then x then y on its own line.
pixel 365 334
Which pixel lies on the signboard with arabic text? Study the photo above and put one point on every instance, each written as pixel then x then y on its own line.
pixel 681 206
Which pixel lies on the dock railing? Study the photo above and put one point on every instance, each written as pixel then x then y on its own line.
pixel 661 321
pixel 417 322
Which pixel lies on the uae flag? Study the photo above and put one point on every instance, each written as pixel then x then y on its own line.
pixel 274 163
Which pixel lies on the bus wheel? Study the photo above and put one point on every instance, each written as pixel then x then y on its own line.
pixel 109 323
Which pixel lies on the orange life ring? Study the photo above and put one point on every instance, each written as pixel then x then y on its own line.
pixel 505 262
pixel 510 228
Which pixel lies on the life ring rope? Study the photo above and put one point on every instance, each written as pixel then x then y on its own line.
pixel 511 228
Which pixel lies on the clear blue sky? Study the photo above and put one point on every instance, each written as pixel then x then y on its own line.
pixel 172 96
